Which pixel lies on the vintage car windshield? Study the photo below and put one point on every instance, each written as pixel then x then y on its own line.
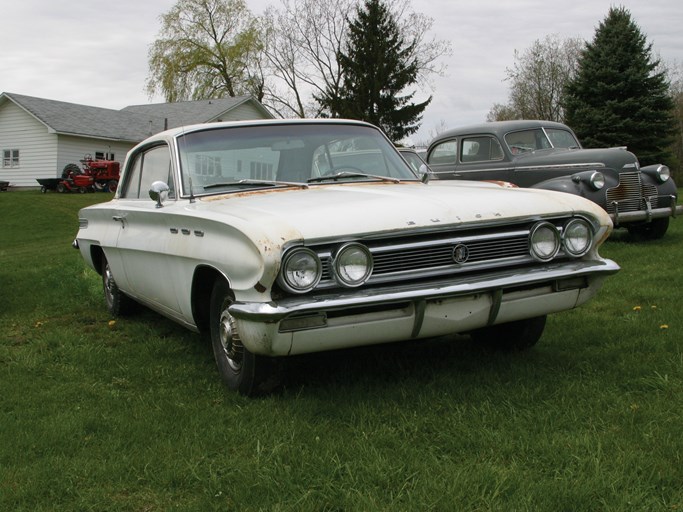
pixel 227 159
pixel 539 138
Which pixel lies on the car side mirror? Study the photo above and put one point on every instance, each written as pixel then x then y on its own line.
pixel 424 173
pixel 159 192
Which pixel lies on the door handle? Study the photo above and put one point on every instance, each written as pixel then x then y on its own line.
pixel 121 219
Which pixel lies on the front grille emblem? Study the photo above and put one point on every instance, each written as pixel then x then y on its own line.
pixel 461 254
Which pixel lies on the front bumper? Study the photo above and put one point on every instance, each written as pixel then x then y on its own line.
pixel 646 215
pixel 362 317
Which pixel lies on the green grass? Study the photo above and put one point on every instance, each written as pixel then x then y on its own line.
pixel 133 416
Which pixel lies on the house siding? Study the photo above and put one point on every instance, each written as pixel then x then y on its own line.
pixel 37 148
pixel 72 150
pixel 240 113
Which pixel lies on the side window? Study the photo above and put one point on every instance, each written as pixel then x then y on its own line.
pixel 131 189
pixel 148 167
pixel 480 149
pixel 444 153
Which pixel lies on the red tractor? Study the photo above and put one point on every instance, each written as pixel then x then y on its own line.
pixel 100 175
pixel 96 175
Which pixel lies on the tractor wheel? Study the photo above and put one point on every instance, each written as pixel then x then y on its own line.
pixel 61 187
pixel 111 186
pixel 71 170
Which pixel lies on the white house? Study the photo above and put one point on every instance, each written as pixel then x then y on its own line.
pixel 39 137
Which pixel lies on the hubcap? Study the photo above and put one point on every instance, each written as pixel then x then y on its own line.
pixel 109 285
pixel 230 341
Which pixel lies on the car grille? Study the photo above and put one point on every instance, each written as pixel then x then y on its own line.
pixel 423 256
pixel 631 194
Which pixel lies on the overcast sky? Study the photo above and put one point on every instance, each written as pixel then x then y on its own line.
pixel 94 52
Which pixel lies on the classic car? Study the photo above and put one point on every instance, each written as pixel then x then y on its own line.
pixel 415 160
pixel 548 155
pixel 285 237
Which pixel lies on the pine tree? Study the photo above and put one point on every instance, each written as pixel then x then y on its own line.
pixel 376 67
pixel 618 98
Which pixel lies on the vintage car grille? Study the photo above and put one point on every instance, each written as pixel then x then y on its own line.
pixel 631 194
pixel 424 256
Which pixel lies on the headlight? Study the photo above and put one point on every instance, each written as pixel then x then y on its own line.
pixel 301 270
pixel 597 180
pixel 353 265
pixel 663 173
pixel 544 241
pixel 577 237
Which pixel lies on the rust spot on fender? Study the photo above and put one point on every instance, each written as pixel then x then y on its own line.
pixel 259 288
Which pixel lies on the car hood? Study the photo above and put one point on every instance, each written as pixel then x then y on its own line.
pixel 614 158
pixel 333 211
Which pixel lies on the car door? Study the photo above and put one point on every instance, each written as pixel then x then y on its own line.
pixel 144 237
pixel 472 157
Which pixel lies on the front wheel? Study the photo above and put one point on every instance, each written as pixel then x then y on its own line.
pixel 242 371
pixel 513 336
pixel 653 230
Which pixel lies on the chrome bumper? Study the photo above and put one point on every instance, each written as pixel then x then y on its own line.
pixel 646 215
pixel 457 286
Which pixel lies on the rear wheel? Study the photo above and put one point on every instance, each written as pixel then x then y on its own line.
pixel 244 372
pixel 118 303
pixel 71 170
pixel 514 336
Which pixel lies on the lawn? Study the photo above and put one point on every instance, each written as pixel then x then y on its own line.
pixel 131 415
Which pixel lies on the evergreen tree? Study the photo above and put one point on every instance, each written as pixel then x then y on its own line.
pixel 377 65
pixel 618 98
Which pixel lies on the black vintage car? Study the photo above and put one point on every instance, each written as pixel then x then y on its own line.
pixel 548 155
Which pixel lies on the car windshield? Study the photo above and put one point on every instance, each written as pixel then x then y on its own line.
pixel 235 158
pixel 539 138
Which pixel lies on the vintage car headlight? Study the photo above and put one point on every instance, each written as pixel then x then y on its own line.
pixel 663 173
pixel 597 180
pixel 301 270
pixel 544 241
pixel 352 265
pixel 577 237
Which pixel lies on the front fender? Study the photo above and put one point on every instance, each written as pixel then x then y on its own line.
pixel 580 184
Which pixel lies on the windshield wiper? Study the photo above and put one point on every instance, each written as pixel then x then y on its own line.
pixel 250 182
pixel 350 174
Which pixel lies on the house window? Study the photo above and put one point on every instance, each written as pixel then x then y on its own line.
pixel 261 171
pixel 10 158
pixel 207 165
pixel 99 155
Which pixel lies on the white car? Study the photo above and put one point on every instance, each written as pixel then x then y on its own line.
pixel 284 237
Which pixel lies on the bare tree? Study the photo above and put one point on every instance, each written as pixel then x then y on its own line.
pixel 538 79
pixel 304 39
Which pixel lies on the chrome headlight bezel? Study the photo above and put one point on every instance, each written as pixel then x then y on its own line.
pixel 597 180
pixel 544 233
pixel 301 270
pixel 569 235
pixel 346 258
pixel 663 173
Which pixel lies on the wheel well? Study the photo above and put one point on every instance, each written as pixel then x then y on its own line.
pixel 202 285
pixel 97 256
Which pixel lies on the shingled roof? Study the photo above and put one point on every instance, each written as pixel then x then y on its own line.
pixel 190 112
pixel 131 124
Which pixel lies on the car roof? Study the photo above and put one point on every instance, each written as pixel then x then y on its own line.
pixel 499 128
